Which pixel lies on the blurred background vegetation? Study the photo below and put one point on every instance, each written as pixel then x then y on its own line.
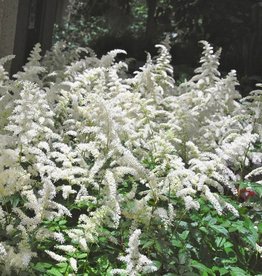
pixel 137 25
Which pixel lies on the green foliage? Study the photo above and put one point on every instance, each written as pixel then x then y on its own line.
pixel 199 242
pixel 81 32
pixel 94 22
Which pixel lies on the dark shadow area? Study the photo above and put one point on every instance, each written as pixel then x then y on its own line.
pixel 137 25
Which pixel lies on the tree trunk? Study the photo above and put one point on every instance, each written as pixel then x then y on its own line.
pixel 150 23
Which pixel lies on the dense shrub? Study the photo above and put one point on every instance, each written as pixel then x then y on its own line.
pixel 102 173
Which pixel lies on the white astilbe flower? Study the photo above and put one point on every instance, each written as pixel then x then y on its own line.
pixel 73 263
pixel 208 72
pixel 256 157
pixel 211 170
pixel 109 58
pixel 120 172
pixel 2 251
pixel 231 208
pixel 166 216
pixel 164 70
pixel 42 206
pixel 129 159
pixel 95 169
pixel 255 172
pixel 3 72
pixel 234 149
pixel 33 68
pixel 66 191
pixel 66 248
pixel 253 103
pixel 18 259
pixel 87 231
pixel 112 200
pixel 76 132
pixel 185 191
pixel 20 255
pixel 2 216
pixel 259 249
pixel 55 256
pixel 213 200
pixel 116 84
pixel 190 203
pixel 6 99
pixel 83 244
pixel 32 116
pixel 88 148
pixel 136 262
pixel 83 195
pixel 13 177
pixel 59 237
pixel 154 78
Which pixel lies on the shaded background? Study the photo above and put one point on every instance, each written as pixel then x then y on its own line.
pixel 137 25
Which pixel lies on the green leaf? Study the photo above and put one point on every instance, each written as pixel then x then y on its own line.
pixel 81 256
pixel 148 244
pixel 201 267
pixel 176 243
pixel 228 247
pixel 62 267
pixel 62 222
pixel 184 235
pixel 157 264
pixel 203 229
pixel 259 227
pixel 238 226
pixel 210 220
pixel 182 256
pixel 158 247
pixel 229 261
pixel 222 271
pixel 220 241
pixel 15 201
pixel 251 240
pixel 237 271
pixel 228 244
pixel 41 267
pixel 220 229
pixel 54 272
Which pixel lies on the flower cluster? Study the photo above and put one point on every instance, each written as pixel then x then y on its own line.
pixel 74 131
pixel 135 262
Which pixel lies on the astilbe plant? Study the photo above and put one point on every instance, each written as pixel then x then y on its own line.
pixel 82 142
